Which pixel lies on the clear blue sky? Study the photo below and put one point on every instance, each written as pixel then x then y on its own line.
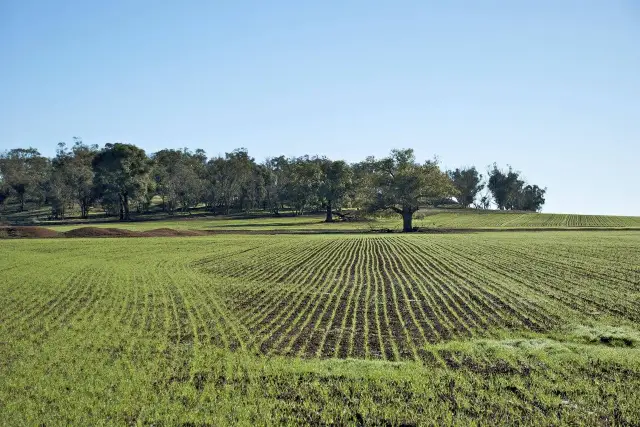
pixel 550 87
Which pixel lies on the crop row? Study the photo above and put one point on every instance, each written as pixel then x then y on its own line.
pixel 471 219
pixel 382 297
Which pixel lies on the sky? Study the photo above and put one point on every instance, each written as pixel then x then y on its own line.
pixel 549 87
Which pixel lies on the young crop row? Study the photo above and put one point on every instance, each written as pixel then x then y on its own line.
pixel 386 297
pixel 473 219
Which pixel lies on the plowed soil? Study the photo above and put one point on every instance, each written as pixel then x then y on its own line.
pixel 41 232
pixel 26 232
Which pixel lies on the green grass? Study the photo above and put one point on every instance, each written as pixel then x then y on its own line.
pixel 425 219
pixel 532 328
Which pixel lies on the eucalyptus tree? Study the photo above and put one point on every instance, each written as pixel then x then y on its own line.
pixel 25 173
pixel 468 182
pixel 122 174
pixel 401 184
pixel 334 185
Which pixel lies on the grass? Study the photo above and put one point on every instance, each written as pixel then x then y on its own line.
pixel 531 328
pixel 437 219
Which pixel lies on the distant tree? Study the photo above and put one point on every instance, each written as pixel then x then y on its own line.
pixel 59 191
pixel 511 192
pixel 81 174
pixel 254 189
pixel 178 177
pixel 164 163
pixel 71 178
pixel 531 198
pixel 359 192
pixel 25 172
pixel 187 185
pixel 505 187
pixel 468 182
pixel 401 184
pixel 121 175
pixel 276 176
pixel 334 184
pixel 228 176
pixel 303 183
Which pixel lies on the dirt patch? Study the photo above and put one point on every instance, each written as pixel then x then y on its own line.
pixel 170 232
pixel 119 232
pixel 26 232
pixel 102 232
pixel 23 232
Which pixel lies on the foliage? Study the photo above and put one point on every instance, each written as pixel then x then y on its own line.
pixel 121 175
pixel 510 192
pixel 303 183
pixel 401 184
pixel 468 183
pixel 24 173
pixel 334 184
pixel 71 178
pixel 531 198
pixel 230 178
pixel 179 177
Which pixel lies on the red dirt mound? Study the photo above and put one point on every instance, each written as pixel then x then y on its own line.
pixel 101 232
pixel 170 232
pixel 21 232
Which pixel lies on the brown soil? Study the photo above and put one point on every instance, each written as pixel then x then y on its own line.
pixel 22 232
pixel 26 232
pixel 101 232
pixel 170 232
pixel 118 232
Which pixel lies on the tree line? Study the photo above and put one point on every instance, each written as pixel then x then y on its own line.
pixel 122 177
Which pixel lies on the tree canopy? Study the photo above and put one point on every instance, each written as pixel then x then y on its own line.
pixel 468 183
pixel 399 183
pixel 121 175
pixel 24 173
pixel 510 192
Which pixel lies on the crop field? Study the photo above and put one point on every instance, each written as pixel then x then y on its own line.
pixel 348 329
pixel 490 219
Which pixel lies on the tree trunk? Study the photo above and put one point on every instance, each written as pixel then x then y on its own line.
pixel 21 202
pixel 329 213
pixel 84 209
pixel 126 207
pixel 407 221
